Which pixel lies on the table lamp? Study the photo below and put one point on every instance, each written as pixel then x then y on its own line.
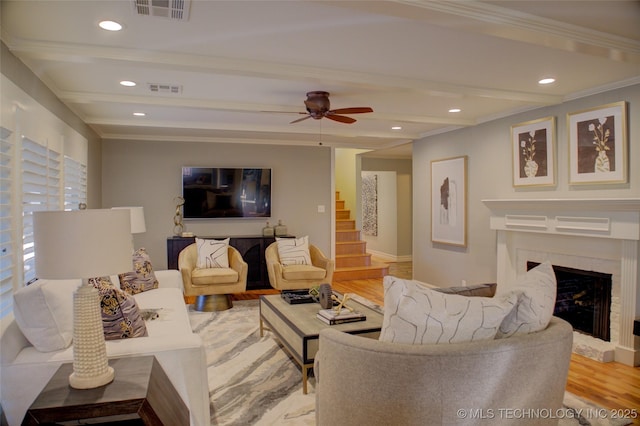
pixel 84 244
pixel 138 225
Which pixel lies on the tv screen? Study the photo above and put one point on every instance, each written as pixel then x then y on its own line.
pixel 213 192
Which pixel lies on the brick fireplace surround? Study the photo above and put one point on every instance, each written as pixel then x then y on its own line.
pixel 601 235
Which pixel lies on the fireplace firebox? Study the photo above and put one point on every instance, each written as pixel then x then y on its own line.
pixel 583 298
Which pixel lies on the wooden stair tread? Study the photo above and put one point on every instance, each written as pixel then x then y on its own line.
pixel 351 250
pixel 376 270
pixel 353 260
pixel 374 265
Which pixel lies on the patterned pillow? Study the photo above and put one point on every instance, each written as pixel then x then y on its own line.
pixel 536 292
pixel 416 314
pixel 294 251
pixel 212 253
pixel 142 278
pixel 121 318
pixel 99 282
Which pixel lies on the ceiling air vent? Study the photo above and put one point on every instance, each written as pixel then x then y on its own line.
pixel 165 88
pixel 177 10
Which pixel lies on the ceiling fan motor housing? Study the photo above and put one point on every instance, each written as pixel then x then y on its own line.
pixel 317 104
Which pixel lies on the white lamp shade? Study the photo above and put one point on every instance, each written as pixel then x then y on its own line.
pixel 82 243
pixel 138 225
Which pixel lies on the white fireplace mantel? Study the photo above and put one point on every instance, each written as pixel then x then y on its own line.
pixel 617 218
pixel 563 204
pixel 568 227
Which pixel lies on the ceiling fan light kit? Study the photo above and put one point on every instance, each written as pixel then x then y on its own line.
pixel 318 106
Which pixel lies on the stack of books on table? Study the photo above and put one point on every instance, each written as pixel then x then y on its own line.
pixel 332 317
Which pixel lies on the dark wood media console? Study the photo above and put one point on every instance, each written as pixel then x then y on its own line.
pixel 250 247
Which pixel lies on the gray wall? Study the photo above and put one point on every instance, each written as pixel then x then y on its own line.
pixel 488 147
pixel 148 174
pixel 403 226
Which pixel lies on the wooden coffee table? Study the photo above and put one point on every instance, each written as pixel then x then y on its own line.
pixel 297 327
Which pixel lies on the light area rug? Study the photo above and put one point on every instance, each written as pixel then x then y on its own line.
pixel 253 381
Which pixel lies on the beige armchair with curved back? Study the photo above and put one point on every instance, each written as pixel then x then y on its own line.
pixel 297 276
pixel 212 286
pixel 437 384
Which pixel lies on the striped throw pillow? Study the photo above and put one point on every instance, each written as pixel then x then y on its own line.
pixel 294 251
pixel 212 253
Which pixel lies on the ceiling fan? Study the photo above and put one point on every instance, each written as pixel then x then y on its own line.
pixel 318 106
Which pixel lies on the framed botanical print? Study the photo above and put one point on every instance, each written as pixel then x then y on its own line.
pixel 449 201
pixel 533 147
pixel 598 145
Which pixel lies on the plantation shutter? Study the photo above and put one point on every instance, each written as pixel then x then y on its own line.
pixel 75 184
pixel 40 191
pixel 6 245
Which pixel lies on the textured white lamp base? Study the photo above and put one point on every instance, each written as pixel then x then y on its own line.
pixel 90 364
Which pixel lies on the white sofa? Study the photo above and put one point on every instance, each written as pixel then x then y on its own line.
pixel 24 370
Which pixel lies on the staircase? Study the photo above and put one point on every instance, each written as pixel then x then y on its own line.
pixel 352 260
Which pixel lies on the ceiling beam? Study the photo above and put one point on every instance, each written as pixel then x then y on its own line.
pixel 52 51
pixel 490 19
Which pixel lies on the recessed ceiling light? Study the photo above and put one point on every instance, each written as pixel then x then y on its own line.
pixel 139 114
pixel 128 83
pixel 396 128
pixel 455 110
pixel 547 81
pixel 110 25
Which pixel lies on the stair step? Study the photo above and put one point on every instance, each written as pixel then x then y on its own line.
pixel 351 260
pixel 377 270
pixel 343 214
pixel 343 235
pixel 351 247
pixel 345 224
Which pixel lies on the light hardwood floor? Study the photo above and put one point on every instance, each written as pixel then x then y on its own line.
pixel 611 385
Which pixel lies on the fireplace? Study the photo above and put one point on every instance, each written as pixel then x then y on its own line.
pixel 600 236
pixel 583 298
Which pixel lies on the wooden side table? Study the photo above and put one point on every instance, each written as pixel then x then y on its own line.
pixel 140 393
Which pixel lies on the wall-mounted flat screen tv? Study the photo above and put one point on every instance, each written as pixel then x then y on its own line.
pixel 218 192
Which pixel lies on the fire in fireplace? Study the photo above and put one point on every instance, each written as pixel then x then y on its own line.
pixel 583 299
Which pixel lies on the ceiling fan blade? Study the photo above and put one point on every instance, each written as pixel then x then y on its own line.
pixel 285 112
pixel 340 118
pixel 300 119
pixel 356 110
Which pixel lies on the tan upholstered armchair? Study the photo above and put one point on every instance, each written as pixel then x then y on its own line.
pixel 295 277
pixel 212 286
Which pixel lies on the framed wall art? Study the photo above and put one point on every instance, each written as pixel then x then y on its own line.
pixel 369 203
pixel 598 145
pixel 449 201
pixel 533 146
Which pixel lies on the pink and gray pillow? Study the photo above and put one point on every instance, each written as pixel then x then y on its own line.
pixel 121 318
pixel 142 278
